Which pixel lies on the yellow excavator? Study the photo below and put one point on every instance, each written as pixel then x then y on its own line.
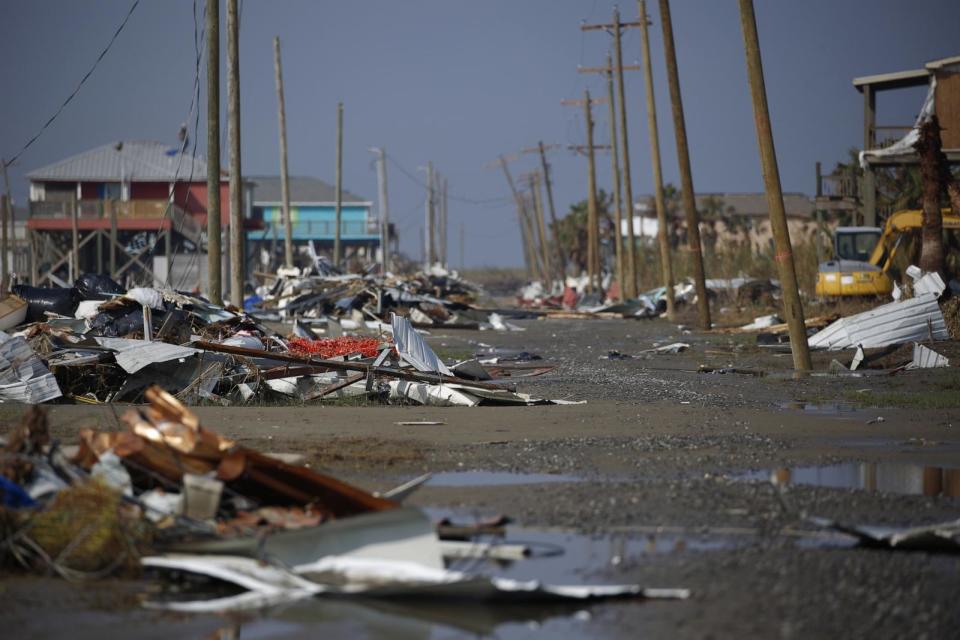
pixel 863 255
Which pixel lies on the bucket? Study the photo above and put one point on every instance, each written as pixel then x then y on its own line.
pixel 201 496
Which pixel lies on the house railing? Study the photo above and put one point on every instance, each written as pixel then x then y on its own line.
pixel 838 186
pixel 96 209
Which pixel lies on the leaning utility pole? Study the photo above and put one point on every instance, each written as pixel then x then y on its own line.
pixel 442 223
pixel 214 260
pixel 338 195
pixel 534 180
pixel 683 159
pixel 284 179
pixel 237 252
pixel 666 270
pixel 561 258
pixel 529 254
pixel 384 211
pixel 793 309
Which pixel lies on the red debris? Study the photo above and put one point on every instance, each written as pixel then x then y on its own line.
pixel 333 347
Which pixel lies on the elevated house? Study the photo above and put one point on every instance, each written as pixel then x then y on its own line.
pixel 312 217
pixel 126 208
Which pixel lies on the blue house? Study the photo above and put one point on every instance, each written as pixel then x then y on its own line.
pixel 313 217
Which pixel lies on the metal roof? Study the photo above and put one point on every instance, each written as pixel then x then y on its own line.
pixel 900 79
pixel 135 160
pixel 303 190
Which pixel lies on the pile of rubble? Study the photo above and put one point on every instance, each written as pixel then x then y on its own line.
pixel 230 528
pixel 351 336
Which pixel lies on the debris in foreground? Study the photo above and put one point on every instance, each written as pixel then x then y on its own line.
pixel 944 536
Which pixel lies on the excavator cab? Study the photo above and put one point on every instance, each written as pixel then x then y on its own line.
pixel 851 272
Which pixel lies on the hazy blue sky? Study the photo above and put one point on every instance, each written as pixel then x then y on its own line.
pixel 461 82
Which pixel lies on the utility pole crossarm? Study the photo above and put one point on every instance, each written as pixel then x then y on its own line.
pixel 572 102
pixel 626 67
pixel 609 27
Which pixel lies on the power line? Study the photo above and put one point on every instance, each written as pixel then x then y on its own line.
pixel 79 85
pixel 467 200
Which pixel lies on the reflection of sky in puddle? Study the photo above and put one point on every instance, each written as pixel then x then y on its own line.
pixel 475 478
pixel 888 477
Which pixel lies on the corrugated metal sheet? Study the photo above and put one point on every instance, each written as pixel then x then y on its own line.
pixel 23 376
pixel 136 160
pixel 303 190
pixel 910 320
pixel 133 355
pixel 413 349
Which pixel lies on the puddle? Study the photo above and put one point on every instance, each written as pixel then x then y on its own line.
pixel 888 477
pixel 833 409
pixel 476 478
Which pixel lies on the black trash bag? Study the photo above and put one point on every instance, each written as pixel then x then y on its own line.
pixel 96 286
pixel 117 324
pixel 42 299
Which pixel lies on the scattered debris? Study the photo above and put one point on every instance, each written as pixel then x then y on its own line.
pixel 926 358
pixel 943 537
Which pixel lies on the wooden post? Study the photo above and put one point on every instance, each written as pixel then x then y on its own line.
pixel 793 309
pixel 237 231
pixel 214 255
pixel 114 204
pixel 34 263
pixel 593 244
pixel 461 246
pixel 666 269
pixel 4 237
pixel 528 253
pixel 683 159
pixel 631 255
pixel 561 258
pixel 615 176
pixel 284 179
pixel 338 195
pixel 75 235
pixel 384 212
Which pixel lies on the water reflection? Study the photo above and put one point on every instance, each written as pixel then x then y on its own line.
pixel 888 477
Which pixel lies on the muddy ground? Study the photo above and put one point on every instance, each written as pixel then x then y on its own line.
pixel 660 479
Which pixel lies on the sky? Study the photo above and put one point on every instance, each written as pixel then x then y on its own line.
pixel 459 83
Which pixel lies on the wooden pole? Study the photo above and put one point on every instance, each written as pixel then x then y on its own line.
pixel 430 212
pixel 793 309
pixel 631 255
pixel 75 235
pixel 338 195
pixel 561 258
pixel 238 253
pixel 462 245
pixel 384 212
pixel 4 237
pixel 683 159
pixel 593 244
pixel 442 223
pixel 528 254
pixel 214 255
pixel 615 176
pixel 284 178
pixel 666 269
pixel 541 229
pixel 114 204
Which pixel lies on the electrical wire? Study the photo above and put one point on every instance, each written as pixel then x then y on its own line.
pixel 455 197
pixel 76 90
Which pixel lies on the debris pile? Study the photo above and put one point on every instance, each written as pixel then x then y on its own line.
pixel 178 499
pixel 94 343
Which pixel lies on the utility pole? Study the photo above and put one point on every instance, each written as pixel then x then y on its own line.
pixel 430 213
pixel 237 244
pixel 529 253
pixel 462 245
pixel 683 159
pixel 593 234
pixel 589 149
pixel 561 258
pixel 4 237
pixel 214 259
pixel 666 269
pixel 284 178
pixel 793 309
pixel 338 195
pixel 442 223
pixel 615 167
pixel 384 211
pixel 534 182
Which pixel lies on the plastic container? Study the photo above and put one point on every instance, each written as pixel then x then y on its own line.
pixel 201 496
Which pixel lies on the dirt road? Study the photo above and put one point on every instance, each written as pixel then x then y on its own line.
pixel 660 478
